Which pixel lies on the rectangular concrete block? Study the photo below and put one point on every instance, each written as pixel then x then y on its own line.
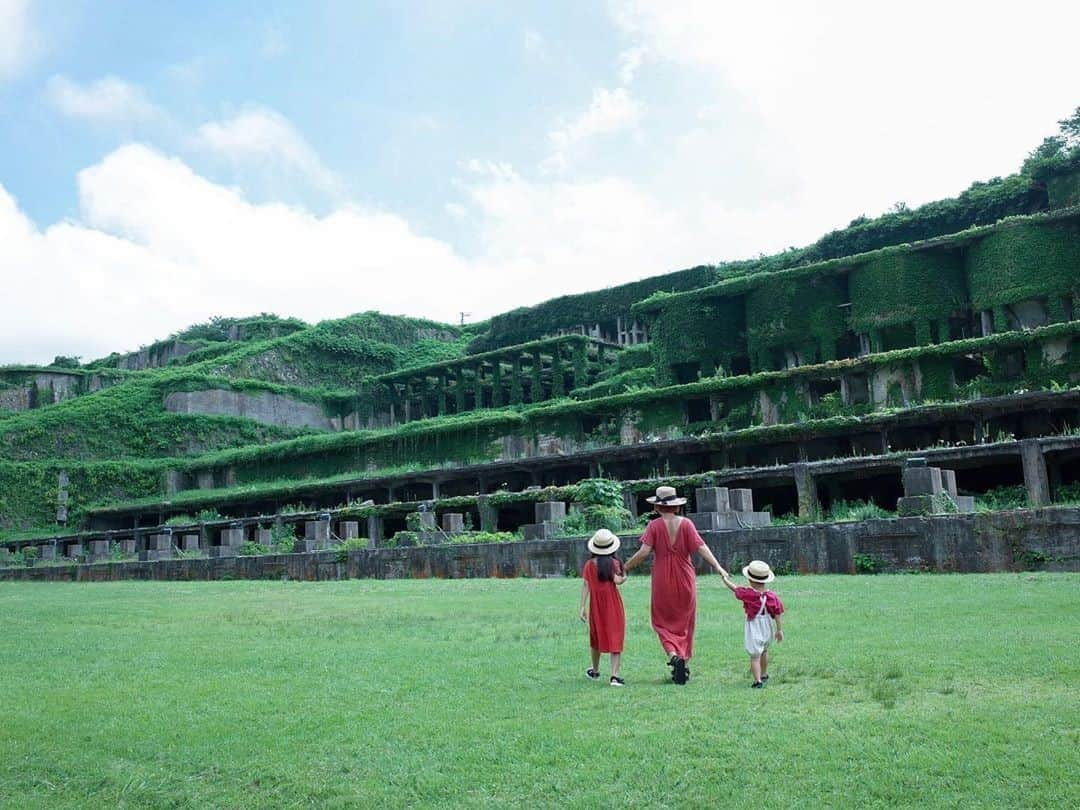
pixel 74 550
pixel 948 482
pixel 427 521
pixel 712 499
pixel 160 542
pixel 349 529
pixel 742 500
pixel 453 523
pixel 47 551
pixel 535 531
pixel 317 530
pixel 128 545
pixel 304 545
pixel 922 481
pixel 99 550
pixel 728 521
pixel 964 503
pixel 550 512
pixel 264 537
pixel 232 537
pixel 189 542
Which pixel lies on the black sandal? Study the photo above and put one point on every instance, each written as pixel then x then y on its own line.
pixel 679 676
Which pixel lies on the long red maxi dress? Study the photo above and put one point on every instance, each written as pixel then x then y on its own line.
pixel 607 619
pixel 674 585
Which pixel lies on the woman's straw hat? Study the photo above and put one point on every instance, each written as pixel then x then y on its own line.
pixel 603 542
pixel 666 496
pixel 758 571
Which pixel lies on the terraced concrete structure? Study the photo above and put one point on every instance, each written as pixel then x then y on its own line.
pixel 808 380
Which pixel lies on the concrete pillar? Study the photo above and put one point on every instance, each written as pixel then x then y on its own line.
pixel 374 531
pixel 434 490
pixel 489 513
pixel 1036 478
pixel 47 551
pixel 204 479
pixel 349 529
pixel 806 491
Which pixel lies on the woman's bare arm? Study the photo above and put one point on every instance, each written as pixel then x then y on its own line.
pixel 584 601
pixel 639 555
pixel 706 553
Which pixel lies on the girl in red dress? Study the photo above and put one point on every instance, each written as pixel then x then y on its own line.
pixel 673 539
pixel 601 605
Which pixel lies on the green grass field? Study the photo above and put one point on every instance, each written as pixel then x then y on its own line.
pixel 951 691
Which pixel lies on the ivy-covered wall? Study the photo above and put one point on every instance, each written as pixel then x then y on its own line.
pixel 906 288
pixel 526 324
pixel 801 315
pixel 709 334
pixel 1023 262
pixel 1064 189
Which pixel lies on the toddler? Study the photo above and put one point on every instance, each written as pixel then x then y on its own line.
pixel 762 609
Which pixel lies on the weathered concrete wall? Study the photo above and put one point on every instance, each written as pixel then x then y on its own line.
pixel 156 358
pixel 1003 541
pixel 262 406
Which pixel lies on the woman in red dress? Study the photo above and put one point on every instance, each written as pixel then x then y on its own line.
pixel 604 612
pixel 673 539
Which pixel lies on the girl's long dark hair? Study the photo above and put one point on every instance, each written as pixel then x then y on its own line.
pixel 605 567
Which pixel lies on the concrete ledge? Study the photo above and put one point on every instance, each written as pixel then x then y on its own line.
pixel 1047 539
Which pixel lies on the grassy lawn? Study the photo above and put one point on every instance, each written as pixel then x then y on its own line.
pixel 953 691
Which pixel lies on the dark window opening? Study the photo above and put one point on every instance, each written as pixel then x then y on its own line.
pixel 899 336
pixel 961 327
pixel 858 389
pixel 685 372
pixel 1011 364
pixel 698 410
pixel 881 490
pixel 591 424
pixel 740 364
pixel 822 388
pixel 848 346
pixel 967 367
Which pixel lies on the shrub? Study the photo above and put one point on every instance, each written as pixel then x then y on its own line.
pixel 846 511
pixel 251 549
pixel 868 564
pixel 1002 498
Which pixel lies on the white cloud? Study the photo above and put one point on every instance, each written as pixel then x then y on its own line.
pixel 630 62
pixel 106 100
pixel 877 102
pixel 158 247
pixel 610 111
pixel 19 39
pixel 263 137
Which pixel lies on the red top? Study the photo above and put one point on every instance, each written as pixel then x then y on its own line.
pixel 751 601
pixel 607 620
pixel 674 584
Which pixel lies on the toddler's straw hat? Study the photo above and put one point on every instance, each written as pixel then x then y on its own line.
pixel 758 571
pixel 666 496
pixel 603 542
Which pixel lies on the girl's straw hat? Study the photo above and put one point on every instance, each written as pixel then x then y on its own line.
pixel 666 496
pixel 758 571
pixel 603 542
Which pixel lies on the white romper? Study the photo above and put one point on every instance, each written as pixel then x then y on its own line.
pixel 759 630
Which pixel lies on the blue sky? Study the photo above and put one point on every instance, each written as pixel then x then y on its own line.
pixel 161 163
